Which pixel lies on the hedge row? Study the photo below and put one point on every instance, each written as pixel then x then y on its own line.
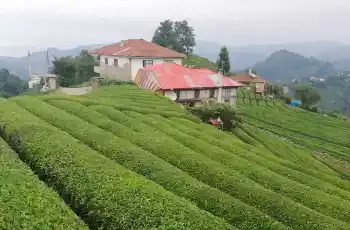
pixel 280 169
pixel 217 175
pixel 120 149
pixel 299 154
pixel 161 111
pixel 25 202
pixel 105 194
pixel 322 202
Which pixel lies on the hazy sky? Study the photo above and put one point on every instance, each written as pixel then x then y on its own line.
pixel 68 23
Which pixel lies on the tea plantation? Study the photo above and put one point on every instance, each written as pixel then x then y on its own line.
pixel 124 158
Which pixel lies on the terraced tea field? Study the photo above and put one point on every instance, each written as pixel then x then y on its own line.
pixel 124 158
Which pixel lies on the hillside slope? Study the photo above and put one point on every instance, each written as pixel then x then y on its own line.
pixel 285 66
pixel 124 158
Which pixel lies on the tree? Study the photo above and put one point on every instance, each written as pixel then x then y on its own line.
pixel 223 62
pixel 65 68
pixel 11 85
pixel 84 67
pixel 178 36
pixel 308 95
pixel 76 70
pixel 185 35
pixel 166 36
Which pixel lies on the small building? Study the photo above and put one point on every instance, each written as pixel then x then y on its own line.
pixel 251 80
pixel 121 61
pixel 187 85
pixel 50 81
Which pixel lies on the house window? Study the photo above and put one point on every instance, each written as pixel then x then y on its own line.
pixel 106 61
pixel 196 93
pixel 116 62
pixel 98 57
pixel 212 93
pixel 168 61
pixel 226 92
pixel 147 63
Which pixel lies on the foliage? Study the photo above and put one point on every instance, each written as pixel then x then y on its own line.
pixel 223 61
pixel 108 82
pixel 11 85
pixel 235 183
pixel 65 68
pixel 186 36
pixel 308 95
pixel 130 133
pixel 26 202
pixel 226 112
pixel 285 66
pixel 284 168
pixel 196 61
pixel 104 193
pixel 178 36
pixel 74 70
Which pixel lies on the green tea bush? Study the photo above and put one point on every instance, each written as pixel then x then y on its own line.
pixel 25 202
pixel 293 172
pixel 105 194
pixel 122 150
pixel 217 175
pixel 315 199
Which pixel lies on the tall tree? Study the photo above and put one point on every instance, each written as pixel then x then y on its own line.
pixel 223 62
pixel 186 36
pixel 308 95
pixel 166 36
pixel 84 67
pixel 65 68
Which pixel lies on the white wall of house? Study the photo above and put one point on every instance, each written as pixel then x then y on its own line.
pixel 136 63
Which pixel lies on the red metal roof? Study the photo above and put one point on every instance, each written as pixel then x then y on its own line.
pixel 246 77
pixel 173 76
pixel 137 48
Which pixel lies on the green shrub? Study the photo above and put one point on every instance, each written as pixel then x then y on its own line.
pixel 322 202
pixel 226 112
pixel 105 194
pixel 108 82
pixel 217 175
pixel 232 210
pixel 295 174
pixel 25 202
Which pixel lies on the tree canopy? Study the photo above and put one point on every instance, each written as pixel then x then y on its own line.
pixel 223 62
pixel 308 95
pixel 178 36
pixel 74 70
pixel 11 85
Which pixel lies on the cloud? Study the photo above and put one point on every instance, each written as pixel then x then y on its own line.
pixel 67 23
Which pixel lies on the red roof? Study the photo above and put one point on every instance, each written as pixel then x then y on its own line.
pixel 173 76
pixel 137 48
pixel 246 77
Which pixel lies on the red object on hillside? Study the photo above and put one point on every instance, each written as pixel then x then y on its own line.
pixel 172 76
pixel 137 48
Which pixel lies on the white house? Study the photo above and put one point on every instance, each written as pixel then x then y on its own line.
pixel 121 61
pixel 187 85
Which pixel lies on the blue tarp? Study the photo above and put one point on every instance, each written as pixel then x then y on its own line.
pixel 295 103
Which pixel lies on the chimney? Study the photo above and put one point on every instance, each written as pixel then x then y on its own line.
pixel 122 43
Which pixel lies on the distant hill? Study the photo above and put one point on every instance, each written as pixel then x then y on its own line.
pixel 241 57
pixel 285 66
pixel 19 65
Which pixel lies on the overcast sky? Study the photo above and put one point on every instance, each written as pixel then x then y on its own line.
pixel 68 23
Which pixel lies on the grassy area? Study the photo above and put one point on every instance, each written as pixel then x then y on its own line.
pixel 124 158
